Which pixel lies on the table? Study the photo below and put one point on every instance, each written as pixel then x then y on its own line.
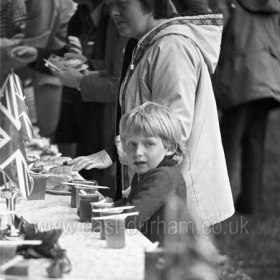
pixel 90 257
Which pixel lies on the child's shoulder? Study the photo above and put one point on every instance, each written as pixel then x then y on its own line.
pixel 163 174
pixel 165 170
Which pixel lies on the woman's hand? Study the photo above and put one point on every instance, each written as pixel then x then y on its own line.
pixel 74 45
pixel 70 55
pixel 98 160
pixel 70 77
pixel 24 54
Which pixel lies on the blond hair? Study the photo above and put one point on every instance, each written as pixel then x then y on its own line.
pixel 153 120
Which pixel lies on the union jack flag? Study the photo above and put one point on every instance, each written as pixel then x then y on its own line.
pixel 12 152
pixel 13 84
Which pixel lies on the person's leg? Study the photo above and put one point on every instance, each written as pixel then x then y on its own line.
pixel 249 201
pixel 233 123
pixel 68 131
pixel 47 100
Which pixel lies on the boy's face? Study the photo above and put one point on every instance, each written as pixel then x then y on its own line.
pixel 145 153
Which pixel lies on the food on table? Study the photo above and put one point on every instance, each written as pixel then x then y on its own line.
pixel 61 169
pixel 55 180
pixel 63 63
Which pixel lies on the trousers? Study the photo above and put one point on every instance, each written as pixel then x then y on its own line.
pixel 243 130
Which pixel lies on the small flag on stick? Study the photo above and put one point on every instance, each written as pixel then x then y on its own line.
pixel 13 116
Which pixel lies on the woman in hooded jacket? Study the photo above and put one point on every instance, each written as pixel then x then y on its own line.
pixel 171 65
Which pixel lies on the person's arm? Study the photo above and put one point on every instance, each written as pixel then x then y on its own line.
pixel 100 160
pixel 99 86
pixel 39 63
pixel 102 86
pixel 18 17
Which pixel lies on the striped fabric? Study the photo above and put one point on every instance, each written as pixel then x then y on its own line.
pixel 12 18
pixel 12 151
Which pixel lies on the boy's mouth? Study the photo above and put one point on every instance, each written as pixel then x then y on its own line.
pixel 139 162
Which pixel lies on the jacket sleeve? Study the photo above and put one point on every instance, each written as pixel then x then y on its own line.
pixel 102 86
pixel 39 64
pixel 151 195
pixel 99 86
pixel 174 79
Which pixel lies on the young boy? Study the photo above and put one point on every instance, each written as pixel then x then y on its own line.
pixel 151 137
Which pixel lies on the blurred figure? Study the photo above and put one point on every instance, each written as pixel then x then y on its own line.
pixel 12 18
pixel 89 98
pixel 91 118
pixel 12 25
pixel 247 87
pixel 192 7
pixel 182 82
pixel 189 250
pixel 46 27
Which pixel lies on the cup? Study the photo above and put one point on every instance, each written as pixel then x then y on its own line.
pixel 84 209
pixel 107 213
pixel 98 225
pixel 115 232
pixel 39 188
pixel 7 253
pixel 78 194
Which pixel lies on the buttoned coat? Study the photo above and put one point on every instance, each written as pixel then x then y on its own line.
pixel 249 64
pixel 171 65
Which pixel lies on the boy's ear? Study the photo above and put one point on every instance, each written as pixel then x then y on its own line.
pixel 170 151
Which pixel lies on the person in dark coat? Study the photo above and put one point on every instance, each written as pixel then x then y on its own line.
pixel 247 87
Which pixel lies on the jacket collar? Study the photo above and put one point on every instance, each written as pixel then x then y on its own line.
pixel 167 161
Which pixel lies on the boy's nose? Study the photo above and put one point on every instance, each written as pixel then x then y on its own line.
pixel 139 150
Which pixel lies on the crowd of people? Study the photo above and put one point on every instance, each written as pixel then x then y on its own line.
pixel 143 117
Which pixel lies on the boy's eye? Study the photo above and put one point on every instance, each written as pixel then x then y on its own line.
pixel 148 144
pixel 130 144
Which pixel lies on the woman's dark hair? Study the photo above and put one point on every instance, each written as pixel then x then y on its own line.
pixel 160 8
pixel 192 7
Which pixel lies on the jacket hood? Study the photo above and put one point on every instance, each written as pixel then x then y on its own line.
pixel 261 6
pixel 205 31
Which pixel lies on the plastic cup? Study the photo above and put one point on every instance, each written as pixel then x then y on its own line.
pixel 39 188
pixel 107 213
pixel 7 253
pixel 115 232
pixel 85 207
pixel 98 225
pixel 78 194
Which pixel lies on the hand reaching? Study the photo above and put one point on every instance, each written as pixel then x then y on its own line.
pixel 24 54
pixel 74 45
pixel 98 160
pixel 70 77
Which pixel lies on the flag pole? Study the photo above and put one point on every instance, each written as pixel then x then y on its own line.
pixel 10 199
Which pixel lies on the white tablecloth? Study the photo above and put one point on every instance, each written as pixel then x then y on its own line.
pixel 90 257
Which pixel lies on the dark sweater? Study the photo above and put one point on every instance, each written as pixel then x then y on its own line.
pixel 149 194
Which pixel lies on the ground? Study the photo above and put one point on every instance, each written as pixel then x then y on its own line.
pixel 250 245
